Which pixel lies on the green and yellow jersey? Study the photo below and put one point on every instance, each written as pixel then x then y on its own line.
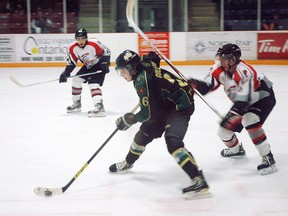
pixel 159 89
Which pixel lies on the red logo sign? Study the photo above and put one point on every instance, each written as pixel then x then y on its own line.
pixel 273 45
pixel 159 39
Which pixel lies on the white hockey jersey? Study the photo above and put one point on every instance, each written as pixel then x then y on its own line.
pixel 89 55
pixel 245 85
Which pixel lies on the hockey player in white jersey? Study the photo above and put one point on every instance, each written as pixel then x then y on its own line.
pixel 96 58
pixel 253 99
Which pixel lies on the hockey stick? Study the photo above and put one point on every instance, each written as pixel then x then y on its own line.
pixel 13 79
pixel 45 191
pixel 129 15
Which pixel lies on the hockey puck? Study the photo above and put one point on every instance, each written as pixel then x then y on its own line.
pixel 47 193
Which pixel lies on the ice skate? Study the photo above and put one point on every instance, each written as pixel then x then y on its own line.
pixel 268 165
pixel 198 189
pixel 228 153
pixel 99 111
pixel 120 167
pixel 75 107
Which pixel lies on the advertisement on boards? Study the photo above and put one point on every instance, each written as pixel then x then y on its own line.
pixel 159 39
pixel 203 45
pixel 7 48
pixel 43 47
pixel 273 45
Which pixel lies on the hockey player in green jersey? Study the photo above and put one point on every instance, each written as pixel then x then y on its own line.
pixel 166 104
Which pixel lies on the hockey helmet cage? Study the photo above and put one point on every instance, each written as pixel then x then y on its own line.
pixel 81 33
pixel 230 51
pixel 127 59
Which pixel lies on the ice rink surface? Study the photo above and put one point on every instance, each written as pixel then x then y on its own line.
pixel 42 145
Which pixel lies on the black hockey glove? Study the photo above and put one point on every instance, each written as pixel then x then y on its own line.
pixel 105 67
pixel 201 86
pixel 125 122
pixel 152 56
pixel 63 77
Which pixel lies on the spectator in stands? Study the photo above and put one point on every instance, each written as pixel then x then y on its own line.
pixel 9 6
pixel 41 24
pixel 5 6
pixel 19 9
pixel 272 24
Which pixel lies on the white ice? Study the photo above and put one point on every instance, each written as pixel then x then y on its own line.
pixel 42 145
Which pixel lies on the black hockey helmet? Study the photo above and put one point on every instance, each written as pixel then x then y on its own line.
pixel 81 33
pixel 230 51
pixel 127 59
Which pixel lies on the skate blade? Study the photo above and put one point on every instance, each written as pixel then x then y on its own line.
pixel 238 156
pixel 93 115
pixel 268 170
pixel 120 172
pixel 198 194
pixel 74 111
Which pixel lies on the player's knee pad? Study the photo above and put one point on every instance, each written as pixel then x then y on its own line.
pixel 173 143
pixel 250 119
pixel 77 82
pixel 142 138
pixel 225 134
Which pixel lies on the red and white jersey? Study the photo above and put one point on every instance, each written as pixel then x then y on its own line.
pixel 246 84
pixel 89 55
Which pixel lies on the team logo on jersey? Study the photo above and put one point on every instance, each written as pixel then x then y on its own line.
pixel 141 90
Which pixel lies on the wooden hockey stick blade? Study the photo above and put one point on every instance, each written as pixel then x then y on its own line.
pixel 43 191
pixel 13 79
pixel 129 15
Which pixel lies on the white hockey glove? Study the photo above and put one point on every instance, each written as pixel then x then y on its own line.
pixel 125 122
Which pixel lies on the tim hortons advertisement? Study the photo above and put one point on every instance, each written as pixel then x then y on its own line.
pixel 159 39
pixel 273 45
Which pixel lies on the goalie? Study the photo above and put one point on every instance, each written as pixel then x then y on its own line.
pixel 253 99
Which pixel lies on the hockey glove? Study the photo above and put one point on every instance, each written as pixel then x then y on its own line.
pixel 105 67
pixel 232 121
pixel 125 122
pixel 152 56
pixel 63 77
pixel 201 86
